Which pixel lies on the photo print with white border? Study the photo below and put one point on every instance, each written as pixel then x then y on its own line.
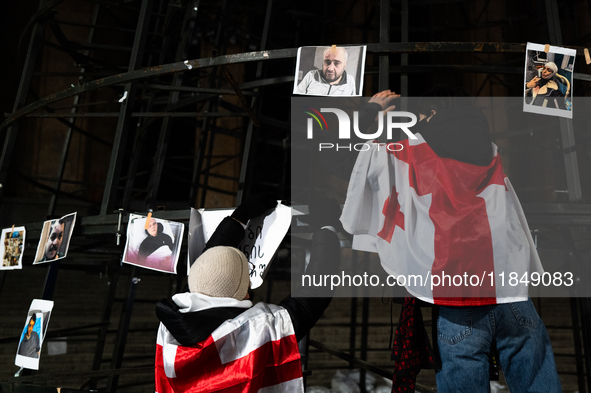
pixel 31 339
pixel 12 245
pixel 157 247
pixel 55 239
pixel 548 80
pixel 330 71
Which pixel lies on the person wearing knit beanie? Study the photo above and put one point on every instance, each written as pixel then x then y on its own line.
pixel 220 272
pixel 208 334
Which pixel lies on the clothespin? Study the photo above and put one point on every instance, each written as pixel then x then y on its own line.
pixel 535 233
pixel 333 48
pixel 587 58
pixel 148 219
pixel 119 227
pixel 547 48
pixel 12 230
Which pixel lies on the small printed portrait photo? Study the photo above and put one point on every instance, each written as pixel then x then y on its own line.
pixel 330 70
pixel 12 244
pixel 154 244
pixel 548 80
pixel 31 339
pixel 55 239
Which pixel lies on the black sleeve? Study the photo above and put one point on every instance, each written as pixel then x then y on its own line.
pixel 307 304
pixel 168 241
pixel 228 233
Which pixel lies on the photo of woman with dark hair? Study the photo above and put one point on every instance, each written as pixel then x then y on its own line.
pixel 548 76
pixel 545 87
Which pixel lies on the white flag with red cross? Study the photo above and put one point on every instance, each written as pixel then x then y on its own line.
pixel 254 352
pixel 452 231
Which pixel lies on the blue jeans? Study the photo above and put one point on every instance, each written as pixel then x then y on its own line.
pixel 464 338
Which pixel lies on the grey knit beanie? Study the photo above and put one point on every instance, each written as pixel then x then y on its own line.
pixel 220 272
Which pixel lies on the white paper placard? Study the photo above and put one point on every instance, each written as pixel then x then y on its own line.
pixel 262 237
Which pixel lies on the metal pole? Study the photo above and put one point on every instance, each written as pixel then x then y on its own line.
pixel 50 280
pixel 153 185
pixel 574 310
pixel 353 324
pixel 2 277
pixel 384 61
pixel 571 166
pixel 249 130
pixel 198 163
pixel 404 56
pixel 142 125
pixel 124 321
pixel 113 279
pixel 364 326
pixel 21 97
pixel 567 134
pixel 586 328
pixel 123 124
pixel 206 125
pixel 69 132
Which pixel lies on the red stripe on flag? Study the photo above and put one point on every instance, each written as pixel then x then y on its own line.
pixel 463 240
pixel 199 368
pixel 394 217
pixel 162 382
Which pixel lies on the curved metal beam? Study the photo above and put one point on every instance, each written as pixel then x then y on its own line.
pixel 403 47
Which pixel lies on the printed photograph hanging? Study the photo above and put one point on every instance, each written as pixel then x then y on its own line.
pixel 55 239
pixel 31 340
pixel 12 245
pixel 548 80
pixel 330 71
pixel 153 246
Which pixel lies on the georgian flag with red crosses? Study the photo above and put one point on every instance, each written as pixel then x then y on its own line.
pixel 254 352
pixel 452 229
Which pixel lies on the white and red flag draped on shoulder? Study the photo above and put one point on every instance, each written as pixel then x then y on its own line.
pixel 254 352
pixel 433 220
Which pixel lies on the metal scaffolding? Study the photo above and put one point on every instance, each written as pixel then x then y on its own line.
pixel 134 64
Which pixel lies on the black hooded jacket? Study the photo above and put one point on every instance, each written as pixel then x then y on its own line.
pixel 193 327
pixel 152 243
pixel 460 133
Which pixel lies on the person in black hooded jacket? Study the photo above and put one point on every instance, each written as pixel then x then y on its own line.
pixel 155 239
pixel 193 318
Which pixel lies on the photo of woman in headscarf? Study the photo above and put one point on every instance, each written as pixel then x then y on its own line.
pixel 544 90
pixel 155 245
